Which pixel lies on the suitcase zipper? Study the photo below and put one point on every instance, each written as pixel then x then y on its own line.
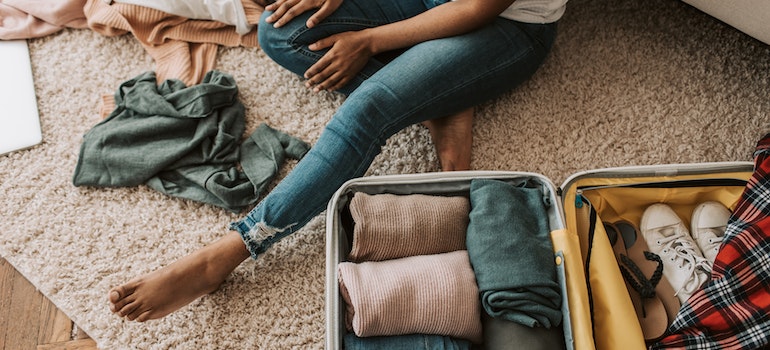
pixel 586 218
pixel 668 184
pixel 666 170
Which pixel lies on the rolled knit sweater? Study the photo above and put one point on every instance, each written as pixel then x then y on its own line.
pixel 389 226
pixel 426 294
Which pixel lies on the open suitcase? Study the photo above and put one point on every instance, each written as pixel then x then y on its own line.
pixel 596 308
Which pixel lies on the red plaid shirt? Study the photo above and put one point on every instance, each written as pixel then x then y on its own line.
pixel 732 311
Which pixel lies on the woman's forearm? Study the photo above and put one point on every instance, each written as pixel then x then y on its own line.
pixel 350 51
pixel 449 19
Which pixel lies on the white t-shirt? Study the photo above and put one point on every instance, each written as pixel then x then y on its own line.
pixel 226 11
pixel 535 11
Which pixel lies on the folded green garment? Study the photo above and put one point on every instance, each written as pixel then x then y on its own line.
pixel 510 249
pixel 184 142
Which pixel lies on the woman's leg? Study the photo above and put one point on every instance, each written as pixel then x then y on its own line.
pixel 451 74
pixel 453 137
pixel 288 44
pixel 161 292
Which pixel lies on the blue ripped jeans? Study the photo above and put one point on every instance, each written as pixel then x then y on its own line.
pixel 430 80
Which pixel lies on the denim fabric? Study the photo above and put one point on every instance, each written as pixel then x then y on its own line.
pixel 430 80
pixel 405 342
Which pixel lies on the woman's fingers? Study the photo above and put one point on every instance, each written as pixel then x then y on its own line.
pixel 286 10
pixel 327 7
pixel 329 78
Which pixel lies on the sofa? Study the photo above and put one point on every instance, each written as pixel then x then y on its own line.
pixel 749 16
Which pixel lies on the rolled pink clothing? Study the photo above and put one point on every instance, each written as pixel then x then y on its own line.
pixel 389 226
pixel 425 294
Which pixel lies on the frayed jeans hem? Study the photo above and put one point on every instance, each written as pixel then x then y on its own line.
pixel 258 236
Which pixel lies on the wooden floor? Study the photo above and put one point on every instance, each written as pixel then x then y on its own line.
pixel 28 320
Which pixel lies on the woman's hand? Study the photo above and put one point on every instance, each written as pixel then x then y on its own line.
pixel 285 10
pixel 348 54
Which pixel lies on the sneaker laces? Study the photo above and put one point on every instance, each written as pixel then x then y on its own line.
pixel 716 240
pixel 683 254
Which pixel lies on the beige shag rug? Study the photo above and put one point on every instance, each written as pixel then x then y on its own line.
pixel 629 82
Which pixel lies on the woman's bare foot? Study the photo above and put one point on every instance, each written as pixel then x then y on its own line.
pixel 453 137
pixel 162 292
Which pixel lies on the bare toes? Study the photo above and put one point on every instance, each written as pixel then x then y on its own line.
pixel 133 315
pixel 145 316
pixel 128 309
pixel 114 295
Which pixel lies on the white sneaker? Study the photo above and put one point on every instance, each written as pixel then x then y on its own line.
pixel 683 264
pixel 709 222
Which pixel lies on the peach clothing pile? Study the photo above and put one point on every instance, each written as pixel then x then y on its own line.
pixel 183 48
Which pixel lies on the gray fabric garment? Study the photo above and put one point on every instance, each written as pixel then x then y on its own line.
pixel 510 249
pixel 184 142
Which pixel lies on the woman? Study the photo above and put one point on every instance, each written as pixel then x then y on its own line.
pixel 446 58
